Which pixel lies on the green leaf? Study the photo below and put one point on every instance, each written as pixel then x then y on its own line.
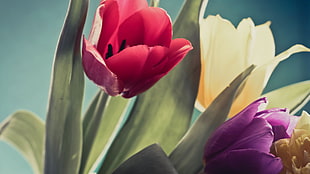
pixel 151 160
pixel 188 155
pixel 101 124
pixel 163 113
pixel 25 131
pixel 91 122
pixel 293 97
pixel 63 122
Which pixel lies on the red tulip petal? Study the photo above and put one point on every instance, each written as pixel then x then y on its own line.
pixel 105 26
pixel 151 73
pixel 141 86
pixel 248 161
pixel 97 71
pixel 161 59
pixel 226 134
pixel 149 26
pixel 155 62
pixel 128 64
pixel 129 7
pixel 159 62
pixel 177 51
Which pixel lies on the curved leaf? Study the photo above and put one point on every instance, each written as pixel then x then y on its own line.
pixel 151 160
pixel 90 127
pixel 63 122
pixel 293 97
pixel 188 155
pixel 25 131
pixel 101 124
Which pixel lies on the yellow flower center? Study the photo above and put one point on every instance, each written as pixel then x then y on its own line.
pixel 294 152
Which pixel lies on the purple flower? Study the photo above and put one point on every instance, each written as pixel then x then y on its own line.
pixel 242 144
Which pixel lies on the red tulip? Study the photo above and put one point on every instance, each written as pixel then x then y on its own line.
pixel 130 47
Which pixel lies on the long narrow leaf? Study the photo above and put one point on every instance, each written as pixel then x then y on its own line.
pixel 100 125
pixel 187 156
pixel 95 106
pixel 293 97
pixel 25 131
pixel 163 114
pixel 91 122
pixel 151 160
pixel 63 122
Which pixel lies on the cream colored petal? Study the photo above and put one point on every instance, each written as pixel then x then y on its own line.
pixel 253 88
pixel 263 46
pixel 262 51
pixel 227 51
pixel 246 36
pixel 271 65
pixel 199 105
pixel 259 78
pixel 292 50
pixel 304 121
pixel 223 56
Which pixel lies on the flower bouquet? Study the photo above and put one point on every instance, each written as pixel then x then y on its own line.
pixel 173 98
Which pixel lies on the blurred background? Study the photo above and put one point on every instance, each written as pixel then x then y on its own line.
pixel 29 32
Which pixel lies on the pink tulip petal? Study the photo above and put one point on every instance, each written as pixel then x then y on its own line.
pixel 159 62
pixel 96 26
pixel 248 161
pixel 156 56
pixel 153 71
pixel 130 42
pixel 129 7
pixel 149 26
pixel 155 62
pixel 105 26
pixel 177 51
pixel 97 71
pixel 128 64
pixel 225 135
pixel 142 86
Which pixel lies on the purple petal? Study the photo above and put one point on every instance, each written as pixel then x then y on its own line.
pixel 257 135
pixel 244 161
pixel 226 134
pixel 281 121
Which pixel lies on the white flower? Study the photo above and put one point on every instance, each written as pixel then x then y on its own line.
pixel 226 51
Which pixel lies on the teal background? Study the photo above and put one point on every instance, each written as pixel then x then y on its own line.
pixel 29 31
